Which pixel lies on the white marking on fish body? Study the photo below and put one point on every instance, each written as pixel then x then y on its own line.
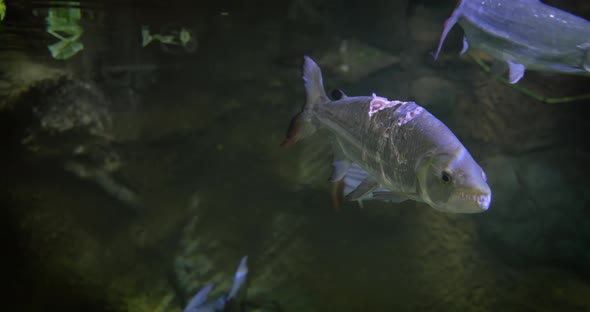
pixel 409 116
pixel 379 103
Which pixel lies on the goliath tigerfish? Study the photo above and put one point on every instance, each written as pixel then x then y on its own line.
pixel 391 150
pixel 524 34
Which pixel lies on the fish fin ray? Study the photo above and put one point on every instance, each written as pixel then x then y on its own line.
pixel 354 176
pixel 364 189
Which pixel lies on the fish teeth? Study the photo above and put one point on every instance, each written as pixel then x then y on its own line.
pixel 481 199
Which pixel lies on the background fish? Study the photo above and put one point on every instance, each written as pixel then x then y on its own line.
pixel 391 150
pixel 199 302
pixel 524 34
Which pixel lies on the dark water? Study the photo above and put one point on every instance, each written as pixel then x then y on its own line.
pixel 132 175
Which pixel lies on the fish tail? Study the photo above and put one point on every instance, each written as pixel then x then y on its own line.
pixel 302 124
pixel 449 23
pixel 239 278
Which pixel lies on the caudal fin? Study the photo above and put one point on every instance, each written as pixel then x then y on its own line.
pixel 239 277
pixel 199 299
pixel 302 124
pixel 449 23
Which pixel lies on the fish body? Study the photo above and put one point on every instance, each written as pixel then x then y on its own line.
pixel 199 302
pixel 526 34
pixel 391 150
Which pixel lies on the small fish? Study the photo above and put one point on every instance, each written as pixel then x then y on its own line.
pixel 525 34
pixel 199 302
pixel 391 150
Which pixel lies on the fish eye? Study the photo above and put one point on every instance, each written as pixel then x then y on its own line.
pixel 446 177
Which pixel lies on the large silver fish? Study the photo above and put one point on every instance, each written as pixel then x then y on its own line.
pixel 526 34
pixel 391 150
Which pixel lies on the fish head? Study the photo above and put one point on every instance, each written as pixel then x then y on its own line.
pixel 453 182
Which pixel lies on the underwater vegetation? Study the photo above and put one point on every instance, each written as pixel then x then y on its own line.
pixel 2 10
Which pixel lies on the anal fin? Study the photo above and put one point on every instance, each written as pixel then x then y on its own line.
pixel 516 71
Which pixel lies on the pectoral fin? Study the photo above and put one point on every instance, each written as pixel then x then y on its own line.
pixel 353 178
pixel 347 178
pixel 465 46
pixel 364 189
pixel 516 71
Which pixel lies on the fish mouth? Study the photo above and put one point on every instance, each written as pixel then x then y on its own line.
pixel 482 200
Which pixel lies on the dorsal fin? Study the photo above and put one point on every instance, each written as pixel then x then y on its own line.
pixel 449 23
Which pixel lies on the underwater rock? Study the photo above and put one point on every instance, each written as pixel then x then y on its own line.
pixel 537 213
pixel 67 123
pixel 19 75
pixel 505 119
pixel 424 27
pixel 354 60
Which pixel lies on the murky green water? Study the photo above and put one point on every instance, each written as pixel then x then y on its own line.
pixel 142 166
